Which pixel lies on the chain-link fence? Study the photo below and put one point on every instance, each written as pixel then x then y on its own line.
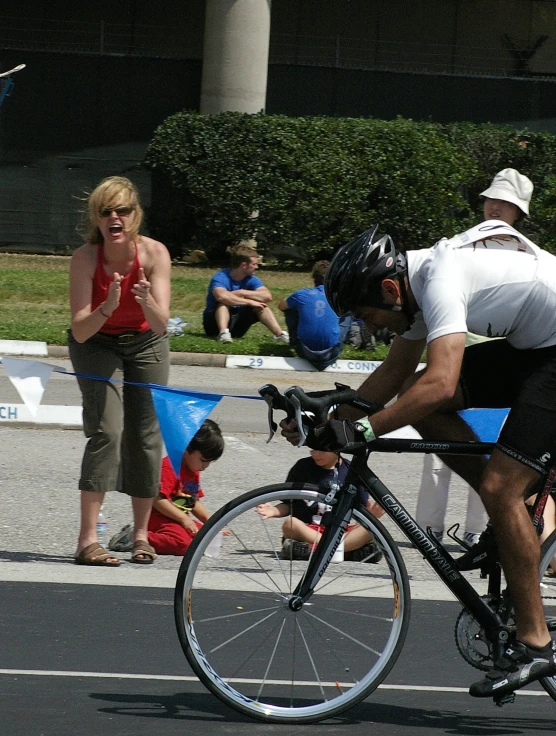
pixel 527 52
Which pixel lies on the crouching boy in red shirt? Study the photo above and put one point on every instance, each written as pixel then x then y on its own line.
pixel 178 512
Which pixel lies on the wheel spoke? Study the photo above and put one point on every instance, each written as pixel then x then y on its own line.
pixel 228 616
pixel 242 633
pixel 310 656
pixel 271 660
pixel 342 632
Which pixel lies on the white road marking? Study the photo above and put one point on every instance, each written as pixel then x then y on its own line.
pixel 237 444
pixel 189 678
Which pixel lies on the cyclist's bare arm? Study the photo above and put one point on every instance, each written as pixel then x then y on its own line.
pixel 380 387
pixel 386 382
pixel 437 386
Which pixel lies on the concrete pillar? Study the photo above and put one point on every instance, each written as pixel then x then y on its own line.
pixel 235 56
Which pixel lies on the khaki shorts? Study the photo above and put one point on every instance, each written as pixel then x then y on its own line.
pixel 124 450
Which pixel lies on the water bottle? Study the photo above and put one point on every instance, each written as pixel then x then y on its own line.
pixel 102 529
pixel 339 553
pixel 213 548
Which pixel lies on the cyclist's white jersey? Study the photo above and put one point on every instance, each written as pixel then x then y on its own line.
pixel 490 280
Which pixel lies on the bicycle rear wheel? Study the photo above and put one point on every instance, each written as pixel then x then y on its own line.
pixel 548 595
pixel 265 660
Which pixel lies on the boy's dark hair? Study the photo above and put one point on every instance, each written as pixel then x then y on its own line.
pixel 319 269
pixel 208 441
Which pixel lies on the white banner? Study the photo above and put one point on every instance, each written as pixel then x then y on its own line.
pixel 29 378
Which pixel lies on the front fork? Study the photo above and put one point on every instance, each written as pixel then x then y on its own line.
pixel 327 546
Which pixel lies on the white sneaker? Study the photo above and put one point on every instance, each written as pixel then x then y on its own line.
pixel 225 336
pixel 282 337
pixel 471 538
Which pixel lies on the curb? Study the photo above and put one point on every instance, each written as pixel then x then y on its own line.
pixel 208 360
pixel 35 350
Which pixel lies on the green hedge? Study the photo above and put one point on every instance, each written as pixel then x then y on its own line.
pixel 317 182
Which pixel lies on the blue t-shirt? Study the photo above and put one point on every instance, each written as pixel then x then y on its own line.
pixel 223 279
pixel 319 325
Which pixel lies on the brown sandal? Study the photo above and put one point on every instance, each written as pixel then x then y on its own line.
pixel 142 553
pixel 96 555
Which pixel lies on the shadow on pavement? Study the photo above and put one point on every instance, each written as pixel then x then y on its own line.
pixel 33 557
pixel 203 707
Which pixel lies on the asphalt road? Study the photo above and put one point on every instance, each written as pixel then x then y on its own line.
pixel 93 660
pixel 94 651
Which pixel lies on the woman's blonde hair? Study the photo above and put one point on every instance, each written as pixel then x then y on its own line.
pixel 114 191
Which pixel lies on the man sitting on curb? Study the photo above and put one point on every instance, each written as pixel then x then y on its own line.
pixel 316 333
pixel 237 299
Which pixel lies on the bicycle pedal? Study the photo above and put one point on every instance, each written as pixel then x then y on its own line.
pixel 504 699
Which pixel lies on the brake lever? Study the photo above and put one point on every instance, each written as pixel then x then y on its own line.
pixel 294 401
pixel 268 392
pixel 275 400
pixel 272 426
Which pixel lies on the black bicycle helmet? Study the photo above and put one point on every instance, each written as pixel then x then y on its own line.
pixel 356 271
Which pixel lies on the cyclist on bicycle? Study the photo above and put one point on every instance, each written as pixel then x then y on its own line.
pixel 493 281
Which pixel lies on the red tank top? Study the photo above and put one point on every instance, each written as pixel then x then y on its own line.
pixel 129 315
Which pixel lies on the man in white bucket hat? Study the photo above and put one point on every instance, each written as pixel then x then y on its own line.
pixel 507 197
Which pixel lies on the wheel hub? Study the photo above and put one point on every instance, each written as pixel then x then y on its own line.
pixel 295 603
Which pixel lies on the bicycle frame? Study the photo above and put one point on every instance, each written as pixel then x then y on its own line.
pixel 433 552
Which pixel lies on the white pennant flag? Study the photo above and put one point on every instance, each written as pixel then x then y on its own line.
pixel 29 378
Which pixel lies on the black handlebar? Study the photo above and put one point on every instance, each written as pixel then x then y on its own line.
pixel 311 409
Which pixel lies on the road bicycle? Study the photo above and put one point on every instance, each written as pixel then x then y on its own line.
pixel 297 641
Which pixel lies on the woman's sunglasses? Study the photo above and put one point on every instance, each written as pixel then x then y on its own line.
pixel 120 211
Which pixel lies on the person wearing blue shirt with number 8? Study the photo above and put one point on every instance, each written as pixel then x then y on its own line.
pixel 316 332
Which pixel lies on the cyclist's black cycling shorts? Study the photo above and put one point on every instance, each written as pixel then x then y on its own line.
pixel 496 375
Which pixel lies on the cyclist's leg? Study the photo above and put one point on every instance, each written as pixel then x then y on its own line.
pixel 504 486
pixel 492 374
pixel 527 448
pixel 521 663
pixel 446 424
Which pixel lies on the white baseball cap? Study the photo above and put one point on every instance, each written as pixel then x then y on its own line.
pixel 511 186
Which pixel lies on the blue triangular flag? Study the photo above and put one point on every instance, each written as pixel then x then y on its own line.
pixel 180 416
pixel 486 423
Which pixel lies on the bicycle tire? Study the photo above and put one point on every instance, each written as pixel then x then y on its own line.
pixel 548 595
pixel 302 666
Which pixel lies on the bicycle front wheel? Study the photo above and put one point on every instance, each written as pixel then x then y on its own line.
pixel 548 595
pixel 252 651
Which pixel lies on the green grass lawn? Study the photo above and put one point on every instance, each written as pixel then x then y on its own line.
pixel 34 305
